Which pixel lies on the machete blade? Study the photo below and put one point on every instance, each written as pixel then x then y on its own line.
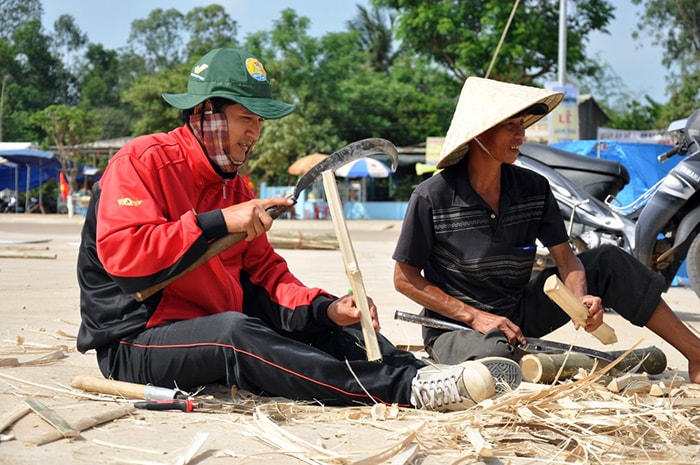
pixel 351 152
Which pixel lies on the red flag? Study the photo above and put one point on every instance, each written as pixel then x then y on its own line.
pixel 64 186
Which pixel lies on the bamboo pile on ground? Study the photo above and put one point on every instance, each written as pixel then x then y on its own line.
pixel 584 420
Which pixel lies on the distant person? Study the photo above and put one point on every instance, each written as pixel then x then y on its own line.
pixel 468 241
pixel 242 318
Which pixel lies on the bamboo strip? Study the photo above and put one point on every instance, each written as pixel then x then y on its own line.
pixel 351 267
pixel 85 423
pixel 9 419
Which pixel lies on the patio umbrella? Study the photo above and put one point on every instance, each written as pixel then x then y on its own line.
pixel 305 163
pixel 364 168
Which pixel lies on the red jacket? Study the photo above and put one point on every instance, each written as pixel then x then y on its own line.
pixel 157 206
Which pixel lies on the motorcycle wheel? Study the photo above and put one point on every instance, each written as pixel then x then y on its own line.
pixel 692 262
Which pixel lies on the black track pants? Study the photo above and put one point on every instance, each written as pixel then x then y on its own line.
pixel 236 349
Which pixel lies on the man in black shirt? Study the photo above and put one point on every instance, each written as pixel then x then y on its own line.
pixel 468 241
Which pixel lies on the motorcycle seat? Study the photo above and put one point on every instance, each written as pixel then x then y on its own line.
pixel 598 176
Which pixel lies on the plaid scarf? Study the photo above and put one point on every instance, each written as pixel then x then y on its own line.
pixel 212 130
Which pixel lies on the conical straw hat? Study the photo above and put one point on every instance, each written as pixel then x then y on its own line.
pixel 485 103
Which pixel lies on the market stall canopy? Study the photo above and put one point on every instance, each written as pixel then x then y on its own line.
pixel 305 163
pixel 26 168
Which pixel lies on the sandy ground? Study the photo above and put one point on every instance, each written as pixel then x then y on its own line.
pixel 39 308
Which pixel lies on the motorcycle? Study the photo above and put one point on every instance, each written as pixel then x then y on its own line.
pixel 660 228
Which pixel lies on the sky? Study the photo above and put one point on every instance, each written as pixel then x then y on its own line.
pixel 109 22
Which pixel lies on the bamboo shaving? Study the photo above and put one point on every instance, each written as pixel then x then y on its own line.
pixel 577 421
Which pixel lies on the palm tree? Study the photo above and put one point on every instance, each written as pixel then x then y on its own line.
pixel 375 30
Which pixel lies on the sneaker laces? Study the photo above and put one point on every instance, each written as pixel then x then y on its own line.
pixel 434 393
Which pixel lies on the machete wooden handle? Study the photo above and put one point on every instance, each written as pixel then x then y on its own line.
pixel 122 388
pixel 215 248
pixel 562 296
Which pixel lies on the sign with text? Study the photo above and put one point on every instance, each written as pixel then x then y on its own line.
pixel 563 120
pixel 433 145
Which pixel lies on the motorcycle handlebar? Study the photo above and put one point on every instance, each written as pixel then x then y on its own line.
pixel 668 154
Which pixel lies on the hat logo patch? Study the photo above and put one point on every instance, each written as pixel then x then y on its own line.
pixel 255 69
pixel 198 70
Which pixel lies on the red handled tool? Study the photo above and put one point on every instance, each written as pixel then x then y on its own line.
pixel 186 405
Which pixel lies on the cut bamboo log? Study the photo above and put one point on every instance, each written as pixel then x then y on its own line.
pixel 651 360
pixel 351 267
pixel 562 296
pixel 545 368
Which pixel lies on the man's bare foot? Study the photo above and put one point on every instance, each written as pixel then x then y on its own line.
pixel 694 371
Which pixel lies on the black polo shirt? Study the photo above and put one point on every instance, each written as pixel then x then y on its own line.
pixel 462 245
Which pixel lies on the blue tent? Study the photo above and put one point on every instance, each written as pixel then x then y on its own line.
pixel 640 159
pixel 27 169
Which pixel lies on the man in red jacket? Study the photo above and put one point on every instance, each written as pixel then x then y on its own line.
pixel 242 318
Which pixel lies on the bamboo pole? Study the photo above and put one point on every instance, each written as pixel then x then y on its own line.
pixel 352 269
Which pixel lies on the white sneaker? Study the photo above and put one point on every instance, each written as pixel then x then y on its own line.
pixel 506 373
pixel 448 388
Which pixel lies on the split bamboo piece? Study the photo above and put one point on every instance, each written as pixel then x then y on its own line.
pixel 52 418
pixel 630 383
pixel 85 423
pixel 562 296
pixel 351 267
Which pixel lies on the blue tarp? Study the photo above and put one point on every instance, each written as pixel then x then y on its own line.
pixel 641 162
pixel 42 166
pixel 639 159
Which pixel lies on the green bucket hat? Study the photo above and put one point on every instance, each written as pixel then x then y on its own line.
pixel 235 75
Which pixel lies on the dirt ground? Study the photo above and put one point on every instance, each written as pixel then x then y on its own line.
pixel 40 316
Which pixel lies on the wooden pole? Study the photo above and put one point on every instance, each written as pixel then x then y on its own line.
pixel 351 267
pixel 562 296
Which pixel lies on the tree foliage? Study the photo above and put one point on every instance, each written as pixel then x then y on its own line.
pixel 462 35
pixel 675 26
pixel 210 27
pixel 394 72
pixel 67 128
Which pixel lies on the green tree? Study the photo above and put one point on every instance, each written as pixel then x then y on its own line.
pixel 462 35
pixel 684 100
pixel 210 27
pixel 30 72
pixel 636 115
pixel 375 35
pixel 15 13
pixel 68 41
pixel 675 26
pixel 159 38
pixel 144 97
pixel 102 82
pixel 66 128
